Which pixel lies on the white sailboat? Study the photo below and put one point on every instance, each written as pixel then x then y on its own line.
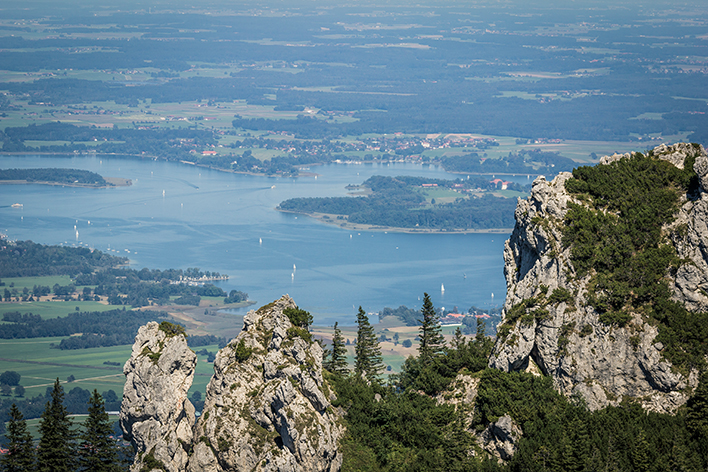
pixel 442 288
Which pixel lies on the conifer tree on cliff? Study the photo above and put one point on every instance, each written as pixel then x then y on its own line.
pixel 56 450
pixel 367 352
pixel 20 454
pixel 432 342
pixel 98 452
pixel 338 360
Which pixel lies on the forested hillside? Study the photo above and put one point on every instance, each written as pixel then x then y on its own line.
pixel 448 411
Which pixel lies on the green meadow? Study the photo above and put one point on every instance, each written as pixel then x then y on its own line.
pixel 21 282
pixel 54 309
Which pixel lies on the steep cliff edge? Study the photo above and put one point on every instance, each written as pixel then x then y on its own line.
pixel 267 407
pixel 601 270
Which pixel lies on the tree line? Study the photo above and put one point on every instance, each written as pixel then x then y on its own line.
pixel 93 268
pixel 61 448
pixel 64 176
pixel 404 424
pixel 99 328
pixel 523 162
pixel 29 259
pixel 75 401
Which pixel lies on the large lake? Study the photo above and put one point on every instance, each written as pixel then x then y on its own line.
pixel 227 223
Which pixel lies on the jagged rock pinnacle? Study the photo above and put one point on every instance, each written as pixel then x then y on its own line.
pixel 156 415
pixel 267 407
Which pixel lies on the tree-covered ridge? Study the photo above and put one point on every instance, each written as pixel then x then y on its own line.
pixel 401 202
pixel 616 236
pixel 420 422
pixel 54 175
pixel 29 259
pixel 561 434
pixel 533 161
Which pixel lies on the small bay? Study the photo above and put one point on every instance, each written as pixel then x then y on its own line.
pixel 227 223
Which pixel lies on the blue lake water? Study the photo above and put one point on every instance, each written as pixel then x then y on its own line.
pixel 227 223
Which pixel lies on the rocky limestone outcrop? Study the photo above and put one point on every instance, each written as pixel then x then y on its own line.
pixel 584 356
pixel 267 407
pixel 270 411
pixel 156 415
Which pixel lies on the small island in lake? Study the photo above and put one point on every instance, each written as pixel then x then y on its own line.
pixel 55 176
pixel 417 204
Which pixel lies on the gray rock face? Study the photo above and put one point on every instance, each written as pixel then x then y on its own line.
pixel 584 356
pixel 269 412
pixel 267 406
pixel 156 415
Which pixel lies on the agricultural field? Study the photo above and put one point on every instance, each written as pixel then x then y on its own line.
pixel 40 364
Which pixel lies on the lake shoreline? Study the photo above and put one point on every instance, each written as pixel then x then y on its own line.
pixel 112 182
pixel 260 174
pixel 331 219
pixel 146 156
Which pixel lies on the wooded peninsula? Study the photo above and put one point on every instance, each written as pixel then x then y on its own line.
pixel 54 176
pixel 418 204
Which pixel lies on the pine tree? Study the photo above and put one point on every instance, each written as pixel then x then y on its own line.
pixel 98 452
pixel 56 444
pixel 458 341
pixel 20 456
pixel 367 352
pixel 338 360
pixel 432 342
pixel 640 453
pixel 697 410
